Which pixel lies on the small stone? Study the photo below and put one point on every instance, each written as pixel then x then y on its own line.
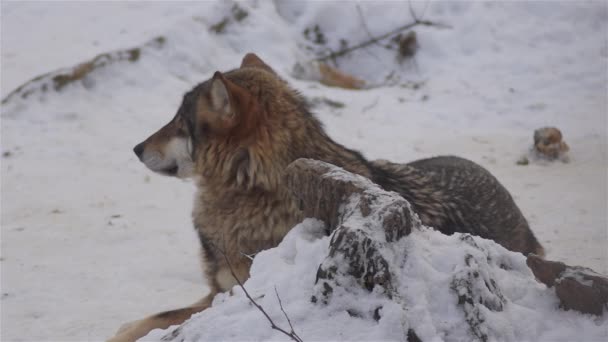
pixel 523 161
pixel 549 144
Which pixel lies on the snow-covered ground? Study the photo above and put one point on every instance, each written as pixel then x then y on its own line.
pixel 427 264
pixel 91 239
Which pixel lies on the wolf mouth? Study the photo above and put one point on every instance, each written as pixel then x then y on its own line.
pixel 170 171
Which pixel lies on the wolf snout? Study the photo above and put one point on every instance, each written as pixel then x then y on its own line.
pixel 139 150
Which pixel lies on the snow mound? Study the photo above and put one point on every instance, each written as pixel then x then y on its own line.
pixel 452 288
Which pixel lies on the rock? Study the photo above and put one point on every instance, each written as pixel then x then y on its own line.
pixel 477 290
pixel 347 202
pixel 548 143
pixel 578 288
pixel 545 271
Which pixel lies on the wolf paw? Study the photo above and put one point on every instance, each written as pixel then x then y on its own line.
pixel 127 332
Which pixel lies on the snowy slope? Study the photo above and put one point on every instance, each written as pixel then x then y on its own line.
pixel 91 239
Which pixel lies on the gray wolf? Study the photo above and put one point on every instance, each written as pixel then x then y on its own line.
pixel 235 133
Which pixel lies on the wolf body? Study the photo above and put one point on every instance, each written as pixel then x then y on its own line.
pixel 236 133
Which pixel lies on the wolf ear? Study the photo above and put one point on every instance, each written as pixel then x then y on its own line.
pixel 219 97
pixel 230 102
pixel 251 60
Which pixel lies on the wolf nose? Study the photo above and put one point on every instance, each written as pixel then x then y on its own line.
pixel 139 150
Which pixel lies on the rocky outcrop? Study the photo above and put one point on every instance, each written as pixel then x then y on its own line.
pixel 578 288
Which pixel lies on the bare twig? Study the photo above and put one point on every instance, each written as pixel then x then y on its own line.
pixel 284 313
pixel 413 13
pixel 249 256
pixel 375 40
pixel 291 334
pixel 364 23
pixel 370 106
pixel 416 18
pixel 369 34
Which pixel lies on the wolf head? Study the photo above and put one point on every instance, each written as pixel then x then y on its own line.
pixel 231 127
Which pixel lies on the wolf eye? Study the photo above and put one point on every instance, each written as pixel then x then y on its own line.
pixel 188 124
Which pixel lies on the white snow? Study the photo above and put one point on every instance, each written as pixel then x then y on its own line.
pixel 92 239
pixel 427 304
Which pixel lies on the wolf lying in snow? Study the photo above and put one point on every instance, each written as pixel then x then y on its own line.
pixel 235 134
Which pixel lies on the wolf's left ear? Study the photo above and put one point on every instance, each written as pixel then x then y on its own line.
pixel 251 60
pixel 219 97
pixel 231 102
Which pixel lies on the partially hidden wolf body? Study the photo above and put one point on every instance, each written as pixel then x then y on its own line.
pixel 235 134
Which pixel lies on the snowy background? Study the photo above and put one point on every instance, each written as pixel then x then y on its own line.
pixel 92 239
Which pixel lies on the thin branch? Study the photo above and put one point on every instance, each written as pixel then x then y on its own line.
pixel 291 334
pixel 411 9
pixel 370 106
pixel 375 40
pixel 416 18
pixel 248 256
pixel 413 13
pixel 284 313
pixel 369 34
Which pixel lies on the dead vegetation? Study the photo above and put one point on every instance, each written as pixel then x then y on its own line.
pixel 400 39
pixel 325 67
pixel 291 334
pixel 237 14
pixel 58 80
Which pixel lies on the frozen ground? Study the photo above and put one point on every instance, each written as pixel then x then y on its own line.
pixel 91 239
